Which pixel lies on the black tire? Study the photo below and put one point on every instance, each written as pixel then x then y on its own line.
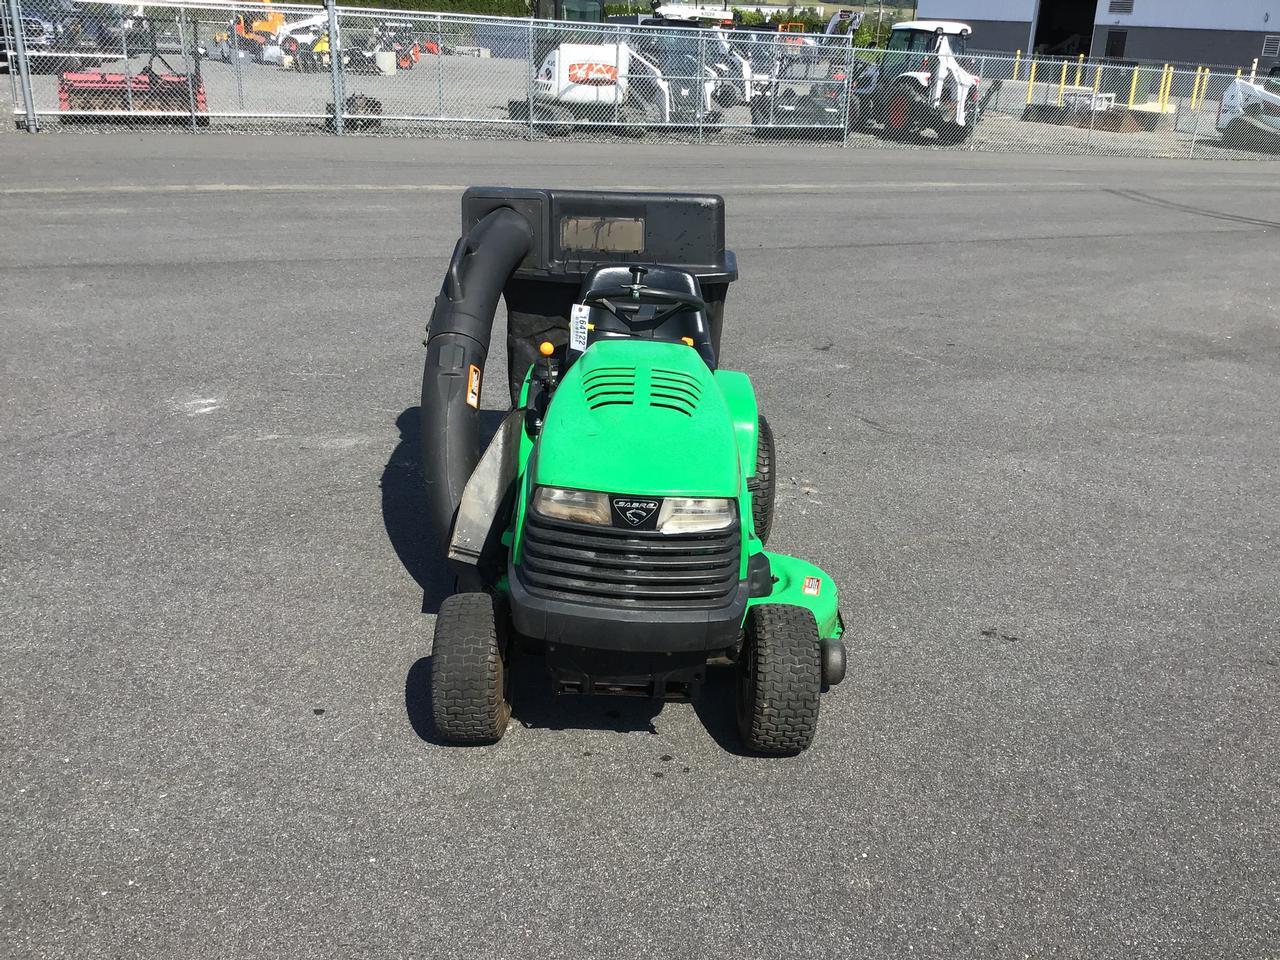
pixel 855 118
pixel 764 484
pixel 638 115
pixel 779 679
pixel 953 133
pixel 807 111
pixel 556 118
pixel 906 109
pixel 469 677
pixel 634 121
pixel 726 96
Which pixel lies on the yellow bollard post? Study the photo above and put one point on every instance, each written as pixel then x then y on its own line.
pixel 1166 86
pixel 1253 71
pixel 1079 68
pixel 1195 87
pixel 1133 87
pixel 1031 80
pixel 1017 65
pixel 1062 82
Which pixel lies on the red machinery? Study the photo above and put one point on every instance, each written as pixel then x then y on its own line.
pixel 158 89
pixel 147 91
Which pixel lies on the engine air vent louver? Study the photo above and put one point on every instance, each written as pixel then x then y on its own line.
pixel 674 390
pixel 606 386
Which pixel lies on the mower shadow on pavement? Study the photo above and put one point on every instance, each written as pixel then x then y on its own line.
pixel 534 706
pixel 715 708
pixel 404 508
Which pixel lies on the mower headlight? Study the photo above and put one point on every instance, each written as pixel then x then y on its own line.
pixel 579 506
pixel 694 514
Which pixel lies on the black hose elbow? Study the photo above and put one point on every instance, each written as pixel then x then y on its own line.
pixel 457 345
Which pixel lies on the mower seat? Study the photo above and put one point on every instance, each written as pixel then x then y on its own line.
pixel 684 323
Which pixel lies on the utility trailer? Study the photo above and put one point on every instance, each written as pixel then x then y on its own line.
pixel 158 91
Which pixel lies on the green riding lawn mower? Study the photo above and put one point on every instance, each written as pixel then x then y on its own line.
pixel 616 522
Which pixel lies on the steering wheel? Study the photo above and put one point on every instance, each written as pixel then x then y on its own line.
pixel 638 293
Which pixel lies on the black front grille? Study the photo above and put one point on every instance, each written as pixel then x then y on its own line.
pixel 629 567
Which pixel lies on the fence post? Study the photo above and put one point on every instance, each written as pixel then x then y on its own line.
pixel 124 54
pixel 701 81
pixel 848 90
pixel 188 55
pixel 234 47
pixel 1062 82
pixel 335 67
pixel 1093 104
pixel 439 67
pixel 1195 134
pixel 19 49
pixel 529 74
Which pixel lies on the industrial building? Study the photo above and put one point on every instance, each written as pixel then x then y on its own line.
pixel 1229 32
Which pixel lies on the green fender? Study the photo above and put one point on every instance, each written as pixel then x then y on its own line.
pixel 795 583
pixel 740 397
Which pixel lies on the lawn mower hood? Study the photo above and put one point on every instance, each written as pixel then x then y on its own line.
pixel 534 248
pixel 661 429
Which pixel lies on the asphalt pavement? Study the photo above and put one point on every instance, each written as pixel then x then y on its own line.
pixel 1026 415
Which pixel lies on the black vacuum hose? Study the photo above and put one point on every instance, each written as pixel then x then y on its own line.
pixel 458 341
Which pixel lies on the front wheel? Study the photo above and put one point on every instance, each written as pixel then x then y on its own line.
pixel 779 679
pixel 469 676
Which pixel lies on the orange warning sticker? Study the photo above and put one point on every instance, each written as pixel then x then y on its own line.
pixel 473 386
pixel 593 74
pixel 812 586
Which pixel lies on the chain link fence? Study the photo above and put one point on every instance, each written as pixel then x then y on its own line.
pixel 353 71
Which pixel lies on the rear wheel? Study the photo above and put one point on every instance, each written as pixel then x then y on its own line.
pixel 727 95
pixel 779 679
pixel 638 115
pixel 763 485
pixel 954 132
pixel 469 677
pixel 555 119
pixel 904 116
pixel 855 119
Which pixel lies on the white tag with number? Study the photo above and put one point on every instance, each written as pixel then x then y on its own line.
pixel 578 327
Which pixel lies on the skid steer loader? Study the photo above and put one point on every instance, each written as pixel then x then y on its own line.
pixel 919 85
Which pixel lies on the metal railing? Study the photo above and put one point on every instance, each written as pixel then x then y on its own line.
pixel 355 71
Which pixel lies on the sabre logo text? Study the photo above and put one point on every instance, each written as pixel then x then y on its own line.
pixel 635 513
